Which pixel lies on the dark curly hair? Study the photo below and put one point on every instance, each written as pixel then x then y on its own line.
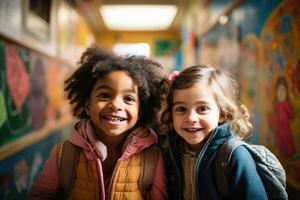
pixel 96 63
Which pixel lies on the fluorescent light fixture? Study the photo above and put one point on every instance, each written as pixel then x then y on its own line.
pixel 138 17
pixel 141 49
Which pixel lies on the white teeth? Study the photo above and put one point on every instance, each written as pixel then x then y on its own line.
pixel 113 118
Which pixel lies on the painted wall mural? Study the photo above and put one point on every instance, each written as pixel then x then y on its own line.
pixel 37 99
pixel 31 92
pixel 281 117
pixel 34 113
pixel 250 80
pixel 57 106
pixel 269 71
pixel 15 88
pixel 19 171
pixel 267 45
pixel 32 104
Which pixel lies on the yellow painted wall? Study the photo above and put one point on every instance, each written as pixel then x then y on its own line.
pixel 110 38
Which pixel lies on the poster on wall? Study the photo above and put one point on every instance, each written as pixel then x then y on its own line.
pixel 10 18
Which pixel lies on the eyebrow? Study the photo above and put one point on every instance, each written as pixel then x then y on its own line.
pixel 105 87
pixel 178 102
pixel 182 102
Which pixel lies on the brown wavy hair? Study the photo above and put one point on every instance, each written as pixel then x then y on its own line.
pixel 225 90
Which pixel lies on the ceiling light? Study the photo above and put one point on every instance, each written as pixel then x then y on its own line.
pixel 141 49
pixel 138 17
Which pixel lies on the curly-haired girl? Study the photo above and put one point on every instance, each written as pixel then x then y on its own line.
pixel 115 98
pixel 202 113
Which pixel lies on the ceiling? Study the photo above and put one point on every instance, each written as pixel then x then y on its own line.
pixel 90 10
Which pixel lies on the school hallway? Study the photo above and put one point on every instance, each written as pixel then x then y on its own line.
pixel 41 42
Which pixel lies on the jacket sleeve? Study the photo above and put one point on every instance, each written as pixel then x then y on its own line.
pixel 159 188
pixel 47 184
pixel 245 181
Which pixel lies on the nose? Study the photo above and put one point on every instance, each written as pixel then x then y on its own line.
pixel 192 116
pixel 115 104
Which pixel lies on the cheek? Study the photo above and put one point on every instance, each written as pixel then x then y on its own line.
pixel 176 123
pixel 135 112
pixel 96 107
pixel 212 122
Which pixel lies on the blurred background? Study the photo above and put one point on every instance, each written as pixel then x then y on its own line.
pixel 42 40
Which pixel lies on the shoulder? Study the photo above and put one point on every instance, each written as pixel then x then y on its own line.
pixel 241 157
pixel 243 165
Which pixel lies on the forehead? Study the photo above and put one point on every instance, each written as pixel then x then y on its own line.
pixel 117 80
pixel 196 93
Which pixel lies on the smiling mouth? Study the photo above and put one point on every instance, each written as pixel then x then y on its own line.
pixel 193 129
pixel 114 118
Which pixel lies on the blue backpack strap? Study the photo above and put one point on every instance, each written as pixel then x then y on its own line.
pixel 221 170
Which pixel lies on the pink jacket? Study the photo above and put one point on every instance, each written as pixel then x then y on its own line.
pixel 47 185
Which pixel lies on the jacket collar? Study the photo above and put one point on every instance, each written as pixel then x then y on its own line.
pixel 218 136
pixel 83 135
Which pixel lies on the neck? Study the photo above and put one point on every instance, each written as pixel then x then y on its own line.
pixel 111 142
pixel 198 147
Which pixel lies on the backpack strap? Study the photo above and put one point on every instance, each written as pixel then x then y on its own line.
pixel 222 161
pixel 67 166
pixel 148 168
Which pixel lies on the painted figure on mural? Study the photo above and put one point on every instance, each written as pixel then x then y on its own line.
pixel 283 114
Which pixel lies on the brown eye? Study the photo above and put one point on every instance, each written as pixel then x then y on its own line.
pixel 202 109
pixel 104 96
pixel 180 109
pixel 129 99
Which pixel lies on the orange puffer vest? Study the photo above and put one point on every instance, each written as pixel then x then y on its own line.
pixel 124 185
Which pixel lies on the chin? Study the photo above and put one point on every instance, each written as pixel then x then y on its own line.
pixel 197 141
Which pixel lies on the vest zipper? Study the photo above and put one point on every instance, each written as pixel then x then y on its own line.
pixel 102 185
pixel 112 177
